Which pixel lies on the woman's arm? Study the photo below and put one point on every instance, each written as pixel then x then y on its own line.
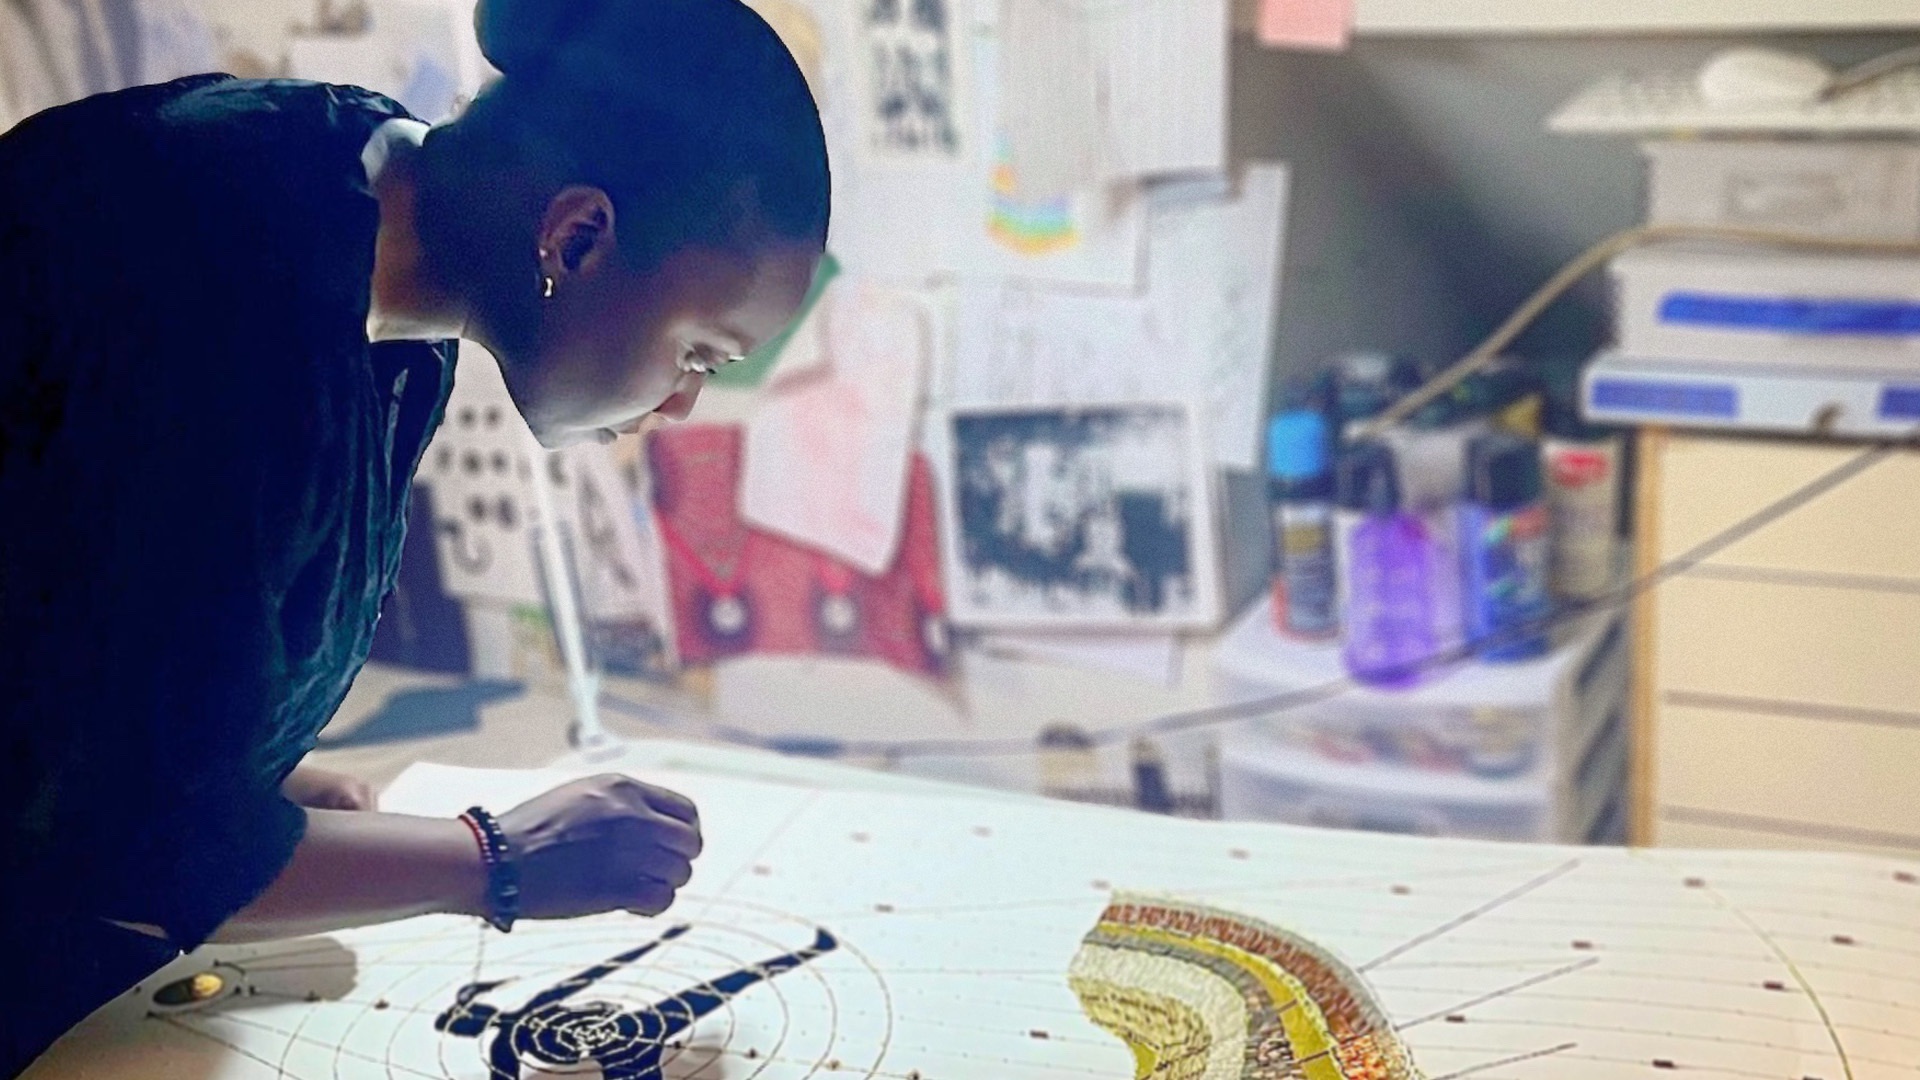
pixel 355 869
pixel 323 789
pixel 606 843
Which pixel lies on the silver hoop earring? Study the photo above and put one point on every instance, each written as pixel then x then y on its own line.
pixel 546 279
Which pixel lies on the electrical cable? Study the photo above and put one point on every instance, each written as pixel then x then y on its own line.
pixel 1879 67
pixel 1276 704
pixel 1588 261
pixel 1486 353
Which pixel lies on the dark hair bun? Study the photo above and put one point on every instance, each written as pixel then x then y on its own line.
pixel 520 36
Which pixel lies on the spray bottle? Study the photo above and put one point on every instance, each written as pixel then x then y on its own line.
pixel 1300 483
pixel 1503 543
pixel 1385 562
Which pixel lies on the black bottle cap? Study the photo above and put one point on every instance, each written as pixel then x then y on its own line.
pixel 1503 471
pixel 1364 384
pixel 1369 481
pixel 1563 421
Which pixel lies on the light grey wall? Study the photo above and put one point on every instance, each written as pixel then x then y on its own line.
pixel 1430 200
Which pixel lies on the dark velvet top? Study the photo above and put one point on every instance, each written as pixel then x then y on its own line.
pixel 204 473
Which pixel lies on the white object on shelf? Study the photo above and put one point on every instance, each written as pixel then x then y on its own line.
pixel 1501 751
pixel 1852 190
pixel 1749 77
pixel 1719 304
pixel 1666 103
pixel 1797 399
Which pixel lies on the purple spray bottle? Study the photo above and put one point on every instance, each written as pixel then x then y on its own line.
pixel 1386 559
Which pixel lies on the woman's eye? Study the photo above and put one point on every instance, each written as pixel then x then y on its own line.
pixel 703 359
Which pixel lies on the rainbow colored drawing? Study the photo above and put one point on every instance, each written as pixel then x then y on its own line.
pixel 1039 227
pixel 1203 994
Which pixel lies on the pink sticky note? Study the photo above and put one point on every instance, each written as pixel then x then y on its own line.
pixel 1306 24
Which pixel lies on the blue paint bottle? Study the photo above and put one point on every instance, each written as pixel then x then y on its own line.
pixel 1504 534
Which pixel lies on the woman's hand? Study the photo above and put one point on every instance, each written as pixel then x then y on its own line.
pixel 323 789
pixel 606 843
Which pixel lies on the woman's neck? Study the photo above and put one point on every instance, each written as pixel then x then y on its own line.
pixel 409 301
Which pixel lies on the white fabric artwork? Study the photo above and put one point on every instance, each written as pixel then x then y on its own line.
pixel 830 934
pixel 827 448
pixel 1050 98
pixel 1165 81
pixel 1095 92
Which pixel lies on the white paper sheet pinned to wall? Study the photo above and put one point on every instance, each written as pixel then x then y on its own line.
pixel 827 448
pixel 1214 279
pixel 1018 344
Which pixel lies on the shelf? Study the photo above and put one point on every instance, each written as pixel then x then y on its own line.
pixel 1446 18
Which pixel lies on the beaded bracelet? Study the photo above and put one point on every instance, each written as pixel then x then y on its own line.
pixel 503 873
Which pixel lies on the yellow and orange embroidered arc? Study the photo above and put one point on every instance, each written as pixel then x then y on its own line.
pixel 1199 993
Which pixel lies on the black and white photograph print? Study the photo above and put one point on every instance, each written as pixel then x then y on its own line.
pixel 1081 517
pixel 914 91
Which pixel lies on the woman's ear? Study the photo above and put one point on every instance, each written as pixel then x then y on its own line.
pixel 577 232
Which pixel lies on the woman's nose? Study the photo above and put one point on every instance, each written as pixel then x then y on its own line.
pixel 679 405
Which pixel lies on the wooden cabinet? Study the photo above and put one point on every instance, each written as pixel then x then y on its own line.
pixel 1777 683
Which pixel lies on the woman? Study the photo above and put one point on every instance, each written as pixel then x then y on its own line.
pixel 223 345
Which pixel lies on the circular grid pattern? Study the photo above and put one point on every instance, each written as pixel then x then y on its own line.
pixel 742 992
